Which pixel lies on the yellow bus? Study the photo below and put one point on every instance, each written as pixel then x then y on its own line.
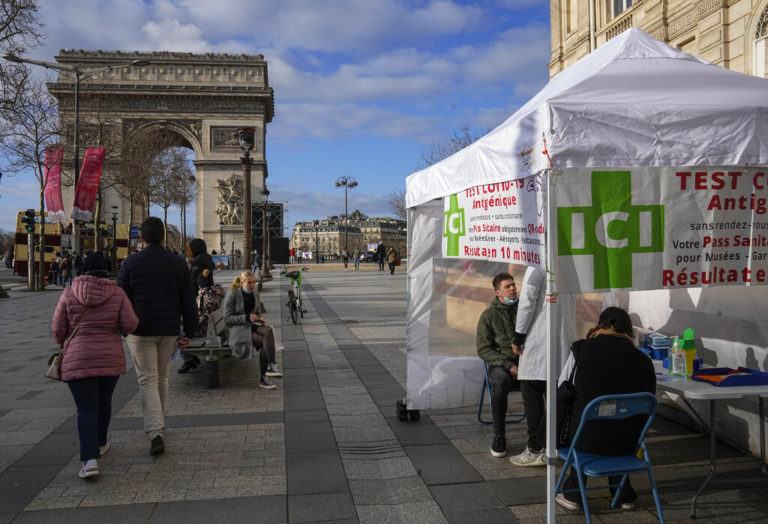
pixel 52 244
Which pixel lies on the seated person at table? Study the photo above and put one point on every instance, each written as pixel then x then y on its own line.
pixel 607 363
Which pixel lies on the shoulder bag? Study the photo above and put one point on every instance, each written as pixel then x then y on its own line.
pixel 566 395
pixel 54 361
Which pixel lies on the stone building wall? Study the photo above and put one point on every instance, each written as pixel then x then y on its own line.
pixel 729 33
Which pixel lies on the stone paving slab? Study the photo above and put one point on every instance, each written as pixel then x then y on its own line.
pixel 326 446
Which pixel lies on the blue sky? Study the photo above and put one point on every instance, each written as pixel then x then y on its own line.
pixel 362 87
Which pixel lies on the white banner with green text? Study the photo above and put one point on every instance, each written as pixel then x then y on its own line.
pixel 659 228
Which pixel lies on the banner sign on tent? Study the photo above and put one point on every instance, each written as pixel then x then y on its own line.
pixel 660 228
pixel 52 172
pixel 502 222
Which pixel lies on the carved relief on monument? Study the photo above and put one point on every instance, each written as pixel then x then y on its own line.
pixel 223 138
pixel 173 67
pixel 229 202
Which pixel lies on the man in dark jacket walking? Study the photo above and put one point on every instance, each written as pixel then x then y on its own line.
pixel 494 345
pixel 159 286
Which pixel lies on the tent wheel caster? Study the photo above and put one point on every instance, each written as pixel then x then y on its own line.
pixel 407 415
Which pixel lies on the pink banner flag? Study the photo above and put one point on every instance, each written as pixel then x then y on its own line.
pixel 88 184
pixel 52 173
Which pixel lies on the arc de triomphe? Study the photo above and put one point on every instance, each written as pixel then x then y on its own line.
pixel 201 98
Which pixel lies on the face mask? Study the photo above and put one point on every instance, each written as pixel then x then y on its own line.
pixel 509 301
pixel 247 292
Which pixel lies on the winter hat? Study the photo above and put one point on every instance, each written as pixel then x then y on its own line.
pixel 95 262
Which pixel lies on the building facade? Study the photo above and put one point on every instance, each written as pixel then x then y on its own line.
pixel 327 236
pixel 730 33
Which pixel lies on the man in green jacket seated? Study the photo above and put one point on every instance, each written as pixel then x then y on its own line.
pixel 494 345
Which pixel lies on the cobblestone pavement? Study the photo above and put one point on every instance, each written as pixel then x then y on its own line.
pixel 326 446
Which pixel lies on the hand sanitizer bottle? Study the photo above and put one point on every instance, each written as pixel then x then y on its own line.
pixel 676 360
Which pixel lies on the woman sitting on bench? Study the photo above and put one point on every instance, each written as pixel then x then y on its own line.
pixel 247 329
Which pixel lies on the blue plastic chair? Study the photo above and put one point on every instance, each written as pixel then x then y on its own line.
pixel 611 407
pixel 487 386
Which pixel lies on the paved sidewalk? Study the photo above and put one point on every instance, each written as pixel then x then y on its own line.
pixel 325 446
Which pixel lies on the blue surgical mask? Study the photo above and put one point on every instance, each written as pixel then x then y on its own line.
pixel 245 291
pixel 509 301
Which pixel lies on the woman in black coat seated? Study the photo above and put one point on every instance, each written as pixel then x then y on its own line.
pixel 607 363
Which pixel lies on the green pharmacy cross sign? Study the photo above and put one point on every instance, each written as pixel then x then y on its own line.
pixel 611 229
pixel 453 226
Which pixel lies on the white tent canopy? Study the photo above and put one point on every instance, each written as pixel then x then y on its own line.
pixel 634 101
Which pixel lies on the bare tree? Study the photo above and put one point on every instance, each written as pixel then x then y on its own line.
pixel 170 176
pixel 134 181
pixel 26 129
pixel 396 201
pixel 20 30
pixel 6 241
pixel 186 191
pixel 460 138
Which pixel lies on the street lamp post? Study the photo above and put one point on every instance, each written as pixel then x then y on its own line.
pixel 81 73
pixel 221 237
pixel 347 182
pixel 246 139
pixel 317 245
pixel 114 238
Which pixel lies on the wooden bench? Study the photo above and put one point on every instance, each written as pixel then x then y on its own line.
pixel 213 350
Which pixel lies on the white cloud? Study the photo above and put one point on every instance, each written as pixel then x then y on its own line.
pixel 347 26
pixel 338 67
pixel 171 35
pixel 335 121
pixel 304 205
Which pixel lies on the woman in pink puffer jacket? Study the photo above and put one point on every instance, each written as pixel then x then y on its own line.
pixel 94 358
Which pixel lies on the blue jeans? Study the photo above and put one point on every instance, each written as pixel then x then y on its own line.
pixel 357 263
pixel 93 397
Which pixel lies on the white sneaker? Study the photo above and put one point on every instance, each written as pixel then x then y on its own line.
pixel 266 384
pixel 103 449
pixel 529 458
pixel 272 371
pixel 90 469
pixel 567 504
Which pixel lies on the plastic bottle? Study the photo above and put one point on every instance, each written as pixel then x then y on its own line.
pixel 676 359
pixel 689 347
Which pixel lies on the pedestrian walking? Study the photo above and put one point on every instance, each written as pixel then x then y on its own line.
pixel 55 273
pixel 357 259
pixel 89 318
pixel 381 253
pixel 393 259
pixel 345 257
pixel 66 270
pixel 159 286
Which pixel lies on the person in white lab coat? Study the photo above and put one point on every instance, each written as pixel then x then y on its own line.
pixel 530 342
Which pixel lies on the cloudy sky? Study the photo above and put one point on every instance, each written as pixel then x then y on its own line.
pixel 362 87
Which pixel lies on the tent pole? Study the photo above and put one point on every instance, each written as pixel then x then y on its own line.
pixel 552 360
